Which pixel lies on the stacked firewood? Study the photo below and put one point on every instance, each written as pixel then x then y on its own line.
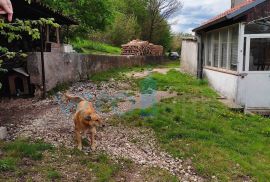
pixel 141 48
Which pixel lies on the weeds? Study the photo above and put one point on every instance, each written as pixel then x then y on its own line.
pixel 53 175
pixel 8 164
pixel 91 47
pixel 21 148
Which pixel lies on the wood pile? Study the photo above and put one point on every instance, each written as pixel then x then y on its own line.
pixel 141 48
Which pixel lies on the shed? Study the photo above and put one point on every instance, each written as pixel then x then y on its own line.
pixel 17 81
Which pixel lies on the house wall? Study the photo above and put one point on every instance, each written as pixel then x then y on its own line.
pixel 71 67
pixel 223 83
pixel 189 56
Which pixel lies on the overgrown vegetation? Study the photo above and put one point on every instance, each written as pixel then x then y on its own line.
pixel 91 47
pixel 222 143
pixel 116 22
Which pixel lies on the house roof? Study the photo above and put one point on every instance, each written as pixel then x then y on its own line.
pixel 36 10
pixel 240 9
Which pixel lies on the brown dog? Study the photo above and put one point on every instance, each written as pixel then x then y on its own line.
pixel 85 120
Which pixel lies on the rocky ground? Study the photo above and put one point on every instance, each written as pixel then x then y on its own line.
pixel 50 120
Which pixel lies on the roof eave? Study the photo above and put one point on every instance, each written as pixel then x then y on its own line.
pixel 237 13
pixel 210 24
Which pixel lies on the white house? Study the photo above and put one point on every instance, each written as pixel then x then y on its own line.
pixel 234 53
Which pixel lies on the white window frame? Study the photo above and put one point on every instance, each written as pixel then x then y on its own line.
pixel 210 35
pixel 247 60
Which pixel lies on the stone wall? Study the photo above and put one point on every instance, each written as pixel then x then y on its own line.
pixel 189 56
pixel 71 67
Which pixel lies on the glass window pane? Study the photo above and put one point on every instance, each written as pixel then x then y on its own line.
pixel 208 50
pixel 224 47
pixel 216 48
pixel 234 48
pixel 258 28
pixel 259 59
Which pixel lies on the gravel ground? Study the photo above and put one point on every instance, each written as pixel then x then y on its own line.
pixel 50 120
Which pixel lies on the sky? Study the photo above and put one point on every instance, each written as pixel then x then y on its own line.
pixel 195 12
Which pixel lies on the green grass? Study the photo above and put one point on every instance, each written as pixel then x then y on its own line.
pixel 8 164
pixel 103 168
pixel 21 148
pixel 120 73
pixel 220 142
pixel 53 174
pixel 91 47
pixel 17 163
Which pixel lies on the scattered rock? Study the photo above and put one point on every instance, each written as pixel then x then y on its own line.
pixel 3 133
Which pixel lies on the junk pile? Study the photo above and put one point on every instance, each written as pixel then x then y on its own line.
pixel 141 48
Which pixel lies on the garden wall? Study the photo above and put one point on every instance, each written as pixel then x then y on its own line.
pixel 71 67
pixel 189 55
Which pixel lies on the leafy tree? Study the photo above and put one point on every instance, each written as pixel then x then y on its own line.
pixel 162 35
pixel 124 29
pixel 160 10
pixel 91 14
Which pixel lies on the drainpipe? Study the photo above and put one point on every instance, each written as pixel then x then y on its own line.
pixel 42 62
pixel 199 57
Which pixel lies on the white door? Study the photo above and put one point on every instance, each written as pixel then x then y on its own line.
pixel 257 69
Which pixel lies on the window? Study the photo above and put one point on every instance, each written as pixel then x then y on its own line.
pixel 215 48
pixel 208 50
pixel 234 48
pixel 259 28
pixel 222 48
pixel 259 54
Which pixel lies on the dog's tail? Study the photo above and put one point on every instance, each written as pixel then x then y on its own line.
pixel 73 98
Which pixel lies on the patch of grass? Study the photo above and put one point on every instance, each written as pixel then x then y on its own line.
pixel 171 64
pixel 157 174
pixel 104 168
pixel 59 88
pixel 222 143
pixel 120 73
pixel 8 164
pixel 116 74
pixel 53 175
pixel 91 47
pixel 21 149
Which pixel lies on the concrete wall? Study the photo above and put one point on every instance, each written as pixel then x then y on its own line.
pixel 224 83
pixel 189 56
pixel 71 67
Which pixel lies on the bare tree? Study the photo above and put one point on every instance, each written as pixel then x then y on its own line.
pixel 160 10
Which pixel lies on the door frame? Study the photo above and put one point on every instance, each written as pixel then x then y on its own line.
pixel 247 48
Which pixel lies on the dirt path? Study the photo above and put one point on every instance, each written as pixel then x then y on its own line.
pixel 50 120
